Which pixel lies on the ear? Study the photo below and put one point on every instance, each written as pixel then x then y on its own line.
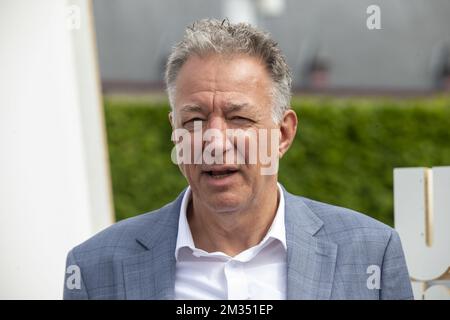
pixel 288 130
pixel 171 120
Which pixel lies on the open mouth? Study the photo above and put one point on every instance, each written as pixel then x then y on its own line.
pixel 218 174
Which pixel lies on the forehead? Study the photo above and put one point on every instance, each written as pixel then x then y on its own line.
pixel 216 81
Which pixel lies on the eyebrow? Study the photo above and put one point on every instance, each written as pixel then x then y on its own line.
pixel 191 108
pixel 230 107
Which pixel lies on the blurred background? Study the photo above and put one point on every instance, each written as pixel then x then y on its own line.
pixel 326 42
pixel 368 100
pixel 84 130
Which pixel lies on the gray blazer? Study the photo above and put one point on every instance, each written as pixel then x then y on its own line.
pixel 331 254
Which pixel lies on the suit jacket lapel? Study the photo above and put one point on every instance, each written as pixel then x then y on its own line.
pixel 151 274
pixel 310 259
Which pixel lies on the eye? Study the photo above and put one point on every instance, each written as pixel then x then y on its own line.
pixel 191 121
pixel 240 119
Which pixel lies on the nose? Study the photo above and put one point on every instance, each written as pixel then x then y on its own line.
pixel 217 122
pixel 215 136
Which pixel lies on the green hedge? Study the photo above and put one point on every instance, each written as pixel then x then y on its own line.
pixel 344 152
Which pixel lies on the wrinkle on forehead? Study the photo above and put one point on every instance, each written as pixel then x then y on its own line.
pixel 214 82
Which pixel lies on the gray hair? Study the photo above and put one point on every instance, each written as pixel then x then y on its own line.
pixel 223 37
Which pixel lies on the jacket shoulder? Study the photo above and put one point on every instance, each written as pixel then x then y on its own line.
pixel 343 224
pixel 119 239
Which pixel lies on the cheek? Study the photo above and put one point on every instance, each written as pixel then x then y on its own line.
pixel 246 147
pixel 269 143
pixel 189 171
pixel 197 148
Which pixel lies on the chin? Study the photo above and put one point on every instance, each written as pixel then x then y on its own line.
pixel 226 203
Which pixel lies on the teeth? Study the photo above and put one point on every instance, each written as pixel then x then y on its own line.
pixel 219 176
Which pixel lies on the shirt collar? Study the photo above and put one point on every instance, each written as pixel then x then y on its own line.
pixel 276 231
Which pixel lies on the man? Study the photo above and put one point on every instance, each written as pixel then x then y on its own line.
pixel 235 233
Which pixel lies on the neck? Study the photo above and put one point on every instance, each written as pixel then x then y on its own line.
pixel 236 231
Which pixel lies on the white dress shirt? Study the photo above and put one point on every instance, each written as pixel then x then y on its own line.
pixel 258 272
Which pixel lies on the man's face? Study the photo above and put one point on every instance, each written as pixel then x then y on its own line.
pixel 226 93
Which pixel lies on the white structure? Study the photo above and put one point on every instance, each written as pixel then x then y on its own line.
pixel 240 11
pixel 54 180
pixel 422 218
